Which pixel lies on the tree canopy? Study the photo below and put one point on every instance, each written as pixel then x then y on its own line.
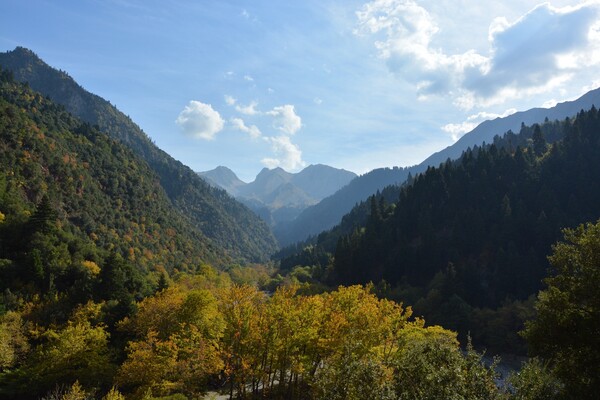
pixel 566 330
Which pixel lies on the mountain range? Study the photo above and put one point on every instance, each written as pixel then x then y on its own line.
pixel 279 196
pixel 295 206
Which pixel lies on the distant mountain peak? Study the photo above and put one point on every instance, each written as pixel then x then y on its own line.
pixel 224 178
pixel 272 171
pixel 277 194
pixel 223 168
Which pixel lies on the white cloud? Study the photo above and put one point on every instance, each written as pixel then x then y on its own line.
pixel 251 130
pixel 408 30
pixel 200 120
pixel 229 100
pixel 318 101
pixel 250 109
pixel 289 155
pixel 248 78
pixel 457 130
pixel 543 49
pixel 540 46
pixel 285 119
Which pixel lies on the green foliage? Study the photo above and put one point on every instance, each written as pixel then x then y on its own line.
pixel 565 331
pixel 356 379
pixel 13 342
pixel 75 392
pixel 431 366
pixel 113 394
pixel 176 350
pixel 535 381
pixel 76 351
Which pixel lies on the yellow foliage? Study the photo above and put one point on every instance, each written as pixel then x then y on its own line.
pixel 193 329
pixel 91 267
pixel 113 394
pixel 156 313
pixel 76 392
pixel 86 313
pixel 13 342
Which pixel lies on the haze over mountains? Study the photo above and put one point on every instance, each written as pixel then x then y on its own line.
pixel 279 196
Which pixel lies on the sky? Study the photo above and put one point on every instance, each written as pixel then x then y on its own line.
pixel 352 84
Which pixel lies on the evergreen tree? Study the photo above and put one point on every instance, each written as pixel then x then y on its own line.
pixel 539 142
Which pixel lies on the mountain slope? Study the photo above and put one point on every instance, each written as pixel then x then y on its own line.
pixel 266 182
pixel 492 216
pixel 467 243
pixel 98 189
pixel 228 223
pixel 315 181
pixel 319 181
pixel 329 211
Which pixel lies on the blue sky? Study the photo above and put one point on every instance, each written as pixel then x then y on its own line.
pixel 352 84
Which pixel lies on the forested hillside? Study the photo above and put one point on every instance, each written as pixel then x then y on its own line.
pixel 228 223
pixel 75 203
pixel 492 216
pixel 329 212
pixel 472 235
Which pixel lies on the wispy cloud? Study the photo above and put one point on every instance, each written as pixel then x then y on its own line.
pixel 229 100
pixel 283 119
pixel 536 53
pixel 240 125
pixel 200 120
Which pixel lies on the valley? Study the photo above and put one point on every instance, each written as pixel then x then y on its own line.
pixel 126 274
